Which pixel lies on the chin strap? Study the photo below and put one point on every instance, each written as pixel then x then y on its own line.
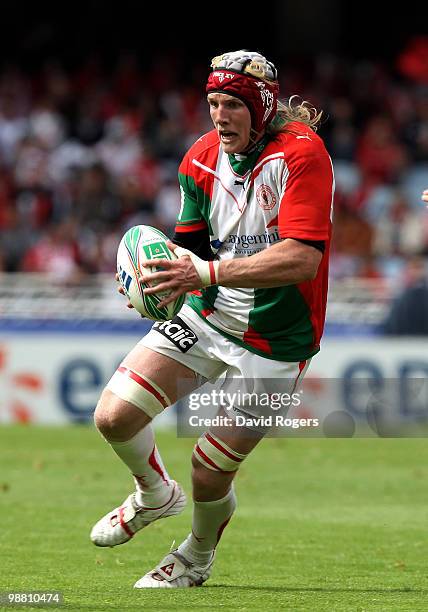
pixel 254 140
pixel 207 270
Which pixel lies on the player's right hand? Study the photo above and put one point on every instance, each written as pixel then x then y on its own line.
pixel 122 291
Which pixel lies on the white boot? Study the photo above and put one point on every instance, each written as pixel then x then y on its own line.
pixel 122 523
pixel 175 571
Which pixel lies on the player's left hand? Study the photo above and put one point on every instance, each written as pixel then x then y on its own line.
pixel 178 275
pixel 425 195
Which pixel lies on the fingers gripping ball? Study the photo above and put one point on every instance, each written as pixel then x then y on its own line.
pixel 139 244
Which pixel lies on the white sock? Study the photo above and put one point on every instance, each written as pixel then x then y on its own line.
pixel 140 454
pixel 209 520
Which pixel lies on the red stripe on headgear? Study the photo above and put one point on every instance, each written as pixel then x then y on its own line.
pixel 261 97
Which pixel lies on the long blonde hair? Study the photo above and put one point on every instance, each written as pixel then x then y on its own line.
pixel 293 110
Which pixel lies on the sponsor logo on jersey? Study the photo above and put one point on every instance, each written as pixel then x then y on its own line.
pixel 246 240
pixel 265 197
pixel 177 332
pixel 216 244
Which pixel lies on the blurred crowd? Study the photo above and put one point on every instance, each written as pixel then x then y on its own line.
pixel 87 152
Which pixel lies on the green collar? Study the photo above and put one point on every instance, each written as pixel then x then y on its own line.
pixel 242 163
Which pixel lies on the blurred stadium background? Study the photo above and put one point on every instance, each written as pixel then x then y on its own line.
pixel 93 122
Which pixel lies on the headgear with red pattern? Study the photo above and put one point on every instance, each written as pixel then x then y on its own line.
pixel 249 76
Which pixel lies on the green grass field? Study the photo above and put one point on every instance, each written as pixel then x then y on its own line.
pixel 322 524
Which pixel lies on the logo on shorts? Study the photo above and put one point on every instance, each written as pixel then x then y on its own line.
pixel 177 332
pixel 265 197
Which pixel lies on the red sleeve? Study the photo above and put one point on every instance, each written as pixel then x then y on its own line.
pixel 305 207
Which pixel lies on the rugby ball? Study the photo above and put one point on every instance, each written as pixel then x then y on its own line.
pixel 139 244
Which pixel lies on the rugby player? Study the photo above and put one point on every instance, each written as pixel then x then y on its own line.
pixel 252 238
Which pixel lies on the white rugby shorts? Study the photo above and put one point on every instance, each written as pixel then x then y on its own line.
pixel 190 341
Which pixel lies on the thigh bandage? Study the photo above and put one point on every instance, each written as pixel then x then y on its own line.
pixel 215 455
pixel 138 390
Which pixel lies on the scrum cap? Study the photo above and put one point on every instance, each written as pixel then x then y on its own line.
pixel 250 77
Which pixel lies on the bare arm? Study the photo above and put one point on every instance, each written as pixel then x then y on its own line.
pixel 286 263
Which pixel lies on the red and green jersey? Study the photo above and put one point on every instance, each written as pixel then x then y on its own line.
pixel 283 189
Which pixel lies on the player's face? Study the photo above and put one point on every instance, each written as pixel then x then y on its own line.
pixel 232 120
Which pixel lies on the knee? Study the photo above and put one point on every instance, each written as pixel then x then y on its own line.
pixel 111 416
pixel 203 480
pixel 201 477
pixel 209 484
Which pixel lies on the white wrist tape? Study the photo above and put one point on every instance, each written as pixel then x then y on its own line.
pixel 207 270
